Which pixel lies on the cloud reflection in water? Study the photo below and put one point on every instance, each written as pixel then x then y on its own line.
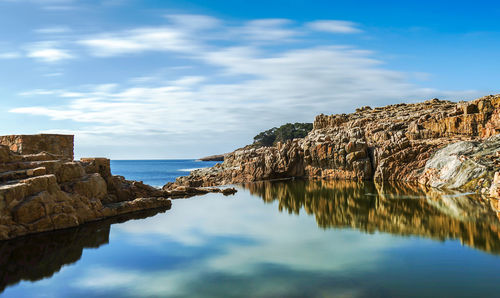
pixel 239 246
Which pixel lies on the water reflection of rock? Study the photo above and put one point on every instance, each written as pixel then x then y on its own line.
pixel 394 208
pixel 39 256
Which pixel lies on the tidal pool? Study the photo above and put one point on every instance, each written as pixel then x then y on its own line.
pixel 283 238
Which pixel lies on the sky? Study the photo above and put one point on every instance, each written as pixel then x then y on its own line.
pixel 148 79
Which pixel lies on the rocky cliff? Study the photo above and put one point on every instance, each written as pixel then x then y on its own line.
pixel 394 142
pixel 49 190
pixel 60 146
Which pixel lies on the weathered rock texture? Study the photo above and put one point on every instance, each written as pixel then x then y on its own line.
pixel 465 165
pixel 58 145
pixel 387 143
pixel 44 191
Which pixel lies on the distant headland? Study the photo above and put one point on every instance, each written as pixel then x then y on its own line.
pixel 434 143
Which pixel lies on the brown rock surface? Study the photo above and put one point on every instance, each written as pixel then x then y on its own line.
pixel 386 144
pixel 60 145
pixel 43 191
pixel 176 192
pixel 495 187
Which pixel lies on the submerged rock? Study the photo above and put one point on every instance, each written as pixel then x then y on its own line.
pixel 174 191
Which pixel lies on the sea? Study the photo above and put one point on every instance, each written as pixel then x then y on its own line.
pixel 295 238
pixel 157 172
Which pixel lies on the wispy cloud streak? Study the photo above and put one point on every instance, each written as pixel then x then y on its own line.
pixel 252 82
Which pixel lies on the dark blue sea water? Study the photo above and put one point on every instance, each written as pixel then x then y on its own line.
pixel 276 239
pixel 156 172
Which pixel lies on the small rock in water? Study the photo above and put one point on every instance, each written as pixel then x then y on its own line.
pixel 229 191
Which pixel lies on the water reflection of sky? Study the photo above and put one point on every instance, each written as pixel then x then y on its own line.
pixel 240 246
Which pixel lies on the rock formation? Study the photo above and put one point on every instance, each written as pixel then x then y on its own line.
pixel 59 145
pixel 217 157
pixel 466 165
pixel 392 143
pixel 48 190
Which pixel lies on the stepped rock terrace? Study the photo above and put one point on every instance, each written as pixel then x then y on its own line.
pixel 42 188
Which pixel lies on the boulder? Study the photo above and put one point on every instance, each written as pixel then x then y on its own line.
pixel 466 165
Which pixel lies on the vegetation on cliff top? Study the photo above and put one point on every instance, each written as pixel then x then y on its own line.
pixel 283 133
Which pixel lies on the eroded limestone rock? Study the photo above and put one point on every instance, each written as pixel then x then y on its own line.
pixel 56 144
pixel 44 191
pixel 60 196
pixel 391 143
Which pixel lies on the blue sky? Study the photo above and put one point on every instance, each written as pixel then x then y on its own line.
pixel 182 79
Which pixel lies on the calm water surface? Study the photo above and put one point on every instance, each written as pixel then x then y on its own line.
pixel 288 238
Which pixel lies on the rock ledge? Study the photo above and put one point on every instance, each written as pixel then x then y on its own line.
pixel 401 142
pixel 47 190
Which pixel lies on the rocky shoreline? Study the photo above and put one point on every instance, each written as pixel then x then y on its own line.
pixel 436 143
pixel 49 190
pixel 333 203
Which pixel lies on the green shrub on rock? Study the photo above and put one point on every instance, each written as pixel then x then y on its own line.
pixel 283 133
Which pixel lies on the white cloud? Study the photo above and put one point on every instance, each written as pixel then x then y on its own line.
pixel 139 40
pixel 47 51
pixel 334 26
pixel 37 92
pixel 188 34
pixel 267 30
pixel 108 278
pixel 54 74
pixel 249 87
pixel 49 55
pixel 188 81
pixel 181 35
